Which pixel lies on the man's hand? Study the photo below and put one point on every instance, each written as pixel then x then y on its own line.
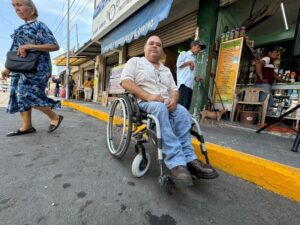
pixel 171 105
pixel 5 73
pixel 198 79
pixel 155 98
pixel 191 65
pixel 22 50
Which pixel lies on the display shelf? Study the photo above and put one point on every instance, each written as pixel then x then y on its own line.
pixel 285 86
pixel 287 117
pixel 281 96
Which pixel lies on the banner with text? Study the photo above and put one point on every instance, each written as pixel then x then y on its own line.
pixel 109 13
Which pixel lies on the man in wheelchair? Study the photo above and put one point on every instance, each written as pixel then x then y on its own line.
pixel 153 85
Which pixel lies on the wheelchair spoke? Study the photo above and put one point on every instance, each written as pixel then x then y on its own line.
pixel 119 128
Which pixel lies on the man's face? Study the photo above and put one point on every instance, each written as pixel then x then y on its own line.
pixel 153 49
pixel 195 49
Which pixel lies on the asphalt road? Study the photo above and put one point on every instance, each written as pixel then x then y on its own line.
pixel 69 178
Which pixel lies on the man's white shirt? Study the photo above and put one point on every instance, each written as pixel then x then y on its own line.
pixel 185 75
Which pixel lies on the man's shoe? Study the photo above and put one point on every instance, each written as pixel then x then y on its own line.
pixel 182 175
pixel 199 171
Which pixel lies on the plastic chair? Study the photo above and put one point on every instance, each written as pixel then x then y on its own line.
pixel 250 97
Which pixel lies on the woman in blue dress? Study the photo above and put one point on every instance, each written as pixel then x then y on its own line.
pixel 27 90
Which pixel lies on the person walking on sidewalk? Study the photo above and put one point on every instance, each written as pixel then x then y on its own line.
pixel 152 83
pixel 27 90
pixel 56 90
pixel 88 89
pixel 71 87
pixel 186 73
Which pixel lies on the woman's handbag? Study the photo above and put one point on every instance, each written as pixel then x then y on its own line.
pixel 18 64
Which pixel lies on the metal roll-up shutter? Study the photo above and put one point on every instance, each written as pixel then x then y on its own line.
pixel 171 34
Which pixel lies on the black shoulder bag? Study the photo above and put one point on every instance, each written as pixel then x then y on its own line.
pixel 18 64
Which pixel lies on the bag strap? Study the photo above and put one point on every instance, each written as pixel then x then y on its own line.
pixel 14 36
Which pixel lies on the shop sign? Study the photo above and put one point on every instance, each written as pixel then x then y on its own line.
pixel 115 80
pixel 135 34
pixel 227 73
pixel 109 13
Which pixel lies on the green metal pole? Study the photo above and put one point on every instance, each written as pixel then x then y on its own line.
pixel 207 23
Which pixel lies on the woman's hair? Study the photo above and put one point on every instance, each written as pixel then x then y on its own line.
pixel 269 49
pixel 30 4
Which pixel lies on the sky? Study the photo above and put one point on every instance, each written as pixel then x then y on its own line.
pixel 53 14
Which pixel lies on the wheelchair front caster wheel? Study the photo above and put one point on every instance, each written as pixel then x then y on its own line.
pixel 140 165
pixel 167 183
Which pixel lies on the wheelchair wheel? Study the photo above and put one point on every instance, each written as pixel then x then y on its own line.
pixel 119 127
pixel 140 166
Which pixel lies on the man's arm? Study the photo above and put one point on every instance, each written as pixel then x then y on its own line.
pixel 181 63
pixel 188 63
pixel 131 87
pixel 174 95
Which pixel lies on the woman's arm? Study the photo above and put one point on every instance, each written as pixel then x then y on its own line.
pixel 258 69
pixel 42 48
pixel 278 78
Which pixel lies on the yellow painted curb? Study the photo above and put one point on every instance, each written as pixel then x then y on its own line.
pixel 92 112
pixel 273 176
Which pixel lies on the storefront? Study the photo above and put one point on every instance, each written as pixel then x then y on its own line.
pixel 243 33
pixel 83 65
pixel 174 21
pixel 89 69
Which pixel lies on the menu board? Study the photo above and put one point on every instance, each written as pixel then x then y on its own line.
pixel 227 73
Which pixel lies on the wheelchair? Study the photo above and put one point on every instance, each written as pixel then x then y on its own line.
pixel 128 123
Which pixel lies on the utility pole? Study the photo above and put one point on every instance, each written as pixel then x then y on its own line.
pixel 77 37
pixel 68 51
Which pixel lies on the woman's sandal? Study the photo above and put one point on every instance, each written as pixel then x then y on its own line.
pixel 54 127
pixel 19 132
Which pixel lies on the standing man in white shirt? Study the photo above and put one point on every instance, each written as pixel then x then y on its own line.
pixel 186 73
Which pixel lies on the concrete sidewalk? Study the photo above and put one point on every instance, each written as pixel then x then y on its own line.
pixel 263 159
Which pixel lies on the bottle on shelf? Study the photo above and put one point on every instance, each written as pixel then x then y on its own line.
pixel 237 33
pixel 293 76
pixel 242 31
pixel 223 36
pixel 294 95
pixel 231 36
pixel 227 35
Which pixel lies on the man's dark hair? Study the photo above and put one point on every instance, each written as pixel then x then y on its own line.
pixel 198 43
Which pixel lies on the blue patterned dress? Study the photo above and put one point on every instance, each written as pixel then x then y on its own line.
pixel 27 89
